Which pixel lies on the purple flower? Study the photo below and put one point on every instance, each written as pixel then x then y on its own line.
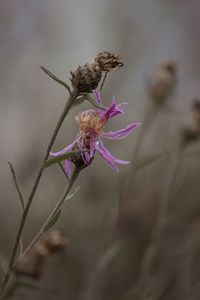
pixel 91 123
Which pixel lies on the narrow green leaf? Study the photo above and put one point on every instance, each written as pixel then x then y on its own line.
pixel 58 159
pixel 54 77
pixel 16 184
pixel 63 170
pixel 53 220
pixel 148 161
pixel 93 102
pixel 69 197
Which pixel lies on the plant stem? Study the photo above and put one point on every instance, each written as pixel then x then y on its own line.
pixel 53 212
pixel 151 252
pixel 68 105
pixel 146 124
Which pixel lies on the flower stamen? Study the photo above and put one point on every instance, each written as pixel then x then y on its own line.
pixel 89 120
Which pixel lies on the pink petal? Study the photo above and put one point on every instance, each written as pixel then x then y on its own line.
pixel 121 133
pixel 97 96
pixel 108 161
pixel 91 144
pixel 109 158
pixel 68 167
pixel 63 151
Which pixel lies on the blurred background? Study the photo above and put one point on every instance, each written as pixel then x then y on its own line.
pixel 106 242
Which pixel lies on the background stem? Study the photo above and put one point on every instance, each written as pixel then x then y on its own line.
pixel 152 249
pixel 145 125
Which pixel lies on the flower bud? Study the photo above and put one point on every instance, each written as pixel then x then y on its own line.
pixel 164 83
pixel 108 61
pixel 86 78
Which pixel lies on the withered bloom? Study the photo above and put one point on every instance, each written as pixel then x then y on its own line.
pixel 33 264
pixel 86 78
pixel 162 86
pixel 108 61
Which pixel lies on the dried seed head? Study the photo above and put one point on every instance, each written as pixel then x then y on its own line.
pixel 33 264
pixel 164 83
pixel 108 61
pixel 86 78
pixel 55 241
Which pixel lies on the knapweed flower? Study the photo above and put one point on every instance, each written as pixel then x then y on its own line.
pixel 91 124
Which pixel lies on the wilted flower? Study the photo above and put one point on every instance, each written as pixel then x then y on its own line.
pixel 86 78
pixel 162 86
pixel 91 123
pixel 108 61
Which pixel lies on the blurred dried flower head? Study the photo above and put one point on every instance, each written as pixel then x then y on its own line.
pixel 55 241
pixel 162 86
pixel 191 131
pixel 108 61
pixel 86 78
pixel 34 263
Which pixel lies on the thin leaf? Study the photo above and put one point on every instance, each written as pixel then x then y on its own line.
pixel 52 221
pixel 69 197
pixel 148 161
pixel 56 78
pixel 93 102
pixel 80 100
pixel 63 170
pixel 16 184
pixel 58 159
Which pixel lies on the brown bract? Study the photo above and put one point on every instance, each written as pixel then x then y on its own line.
pixel 86 78
pixel 108 61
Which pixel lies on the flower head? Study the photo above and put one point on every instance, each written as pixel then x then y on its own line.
pixel 91 131
pixel 108 61
pixel 86 78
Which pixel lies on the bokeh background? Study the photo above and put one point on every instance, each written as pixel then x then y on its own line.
pixel 61 35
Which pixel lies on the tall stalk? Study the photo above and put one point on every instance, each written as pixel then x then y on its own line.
pixel 53 212
pixel 67 107
pixel 146 124
pixel 152 250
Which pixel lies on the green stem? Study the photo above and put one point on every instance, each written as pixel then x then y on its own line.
pixel 53 212
pixel 68 105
